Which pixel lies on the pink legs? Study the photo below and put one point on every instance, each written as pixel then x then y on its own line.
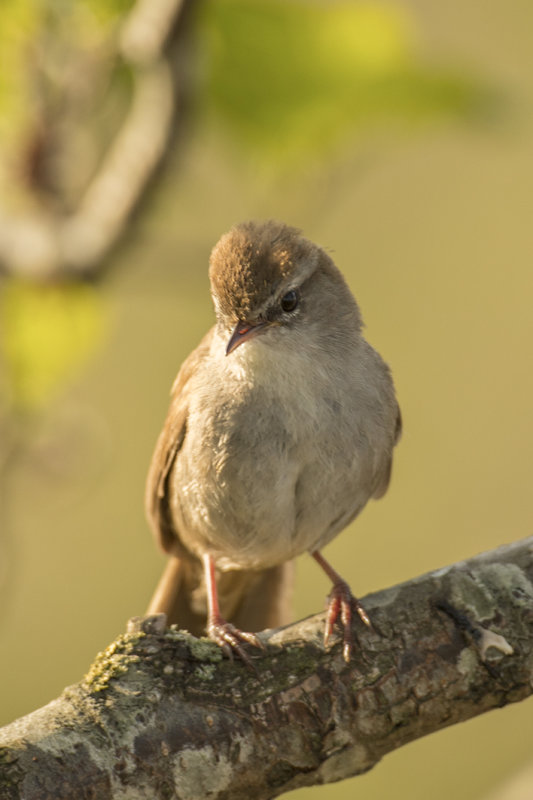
pixel 340 602
pixel 224 633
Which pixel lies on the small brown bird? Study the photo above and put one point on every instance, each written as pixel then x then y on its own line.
pixel 281 426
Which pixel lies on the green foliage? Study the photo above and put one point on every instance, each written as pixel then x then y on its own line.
pixel 291 78
pixel 47 333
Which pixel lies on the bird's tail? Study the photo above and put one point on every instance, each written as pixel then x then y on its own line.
pixel 250 599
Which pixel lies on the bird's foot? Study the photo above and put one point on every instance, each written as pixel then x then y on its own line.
pixel 341 602
pixel 229 638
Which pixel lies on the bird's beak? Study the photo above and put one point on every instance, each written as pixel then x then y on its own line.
pixel 242 332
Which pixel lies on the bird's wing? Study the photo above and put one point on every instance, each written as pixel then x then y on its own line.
pixel 384 479
pixel 398 426
pixel 168 445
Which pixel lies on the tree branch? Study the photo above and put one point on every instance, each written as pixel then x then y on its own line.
pixel 52 244
pixel 162 714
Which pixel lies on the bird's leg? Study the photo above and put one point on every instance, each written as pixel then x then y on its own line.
pixel 218 629
pixel 340 601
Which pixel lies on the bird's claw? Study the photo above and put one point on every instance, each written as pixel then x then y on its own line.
pixel 229 638
pixel 341 602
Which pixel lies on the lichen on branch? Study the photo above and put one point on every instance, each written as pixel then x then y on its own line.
pixel 161 712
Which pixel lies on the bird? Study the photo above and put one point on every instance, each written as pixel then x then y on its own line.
pixel 281 426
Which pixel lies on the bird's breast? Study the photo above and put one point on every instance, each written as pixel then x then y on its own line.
pixel 273 457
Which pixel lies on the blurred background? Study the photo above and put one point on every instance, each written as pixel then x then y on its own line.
pixel 399 136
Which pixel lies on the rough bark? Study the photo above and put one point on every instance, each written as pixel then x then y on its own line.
pixel 162 715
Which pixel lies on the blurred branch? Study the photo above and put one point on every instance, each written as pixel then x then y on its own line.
pixel 85 237
pixel 87 152
pixel 162 713
pixel 48 244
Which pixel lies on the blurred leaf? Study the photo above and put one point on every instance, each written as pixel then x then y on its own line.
pixel 48 332
pixel 289 78
pixel 105 11
pixel 19 22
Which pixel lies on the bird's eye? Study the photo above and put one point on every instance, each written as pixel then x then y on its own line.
pixel 289 301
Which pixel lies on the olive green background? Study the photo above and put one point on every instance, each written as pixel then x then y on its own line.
pixel 433 228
